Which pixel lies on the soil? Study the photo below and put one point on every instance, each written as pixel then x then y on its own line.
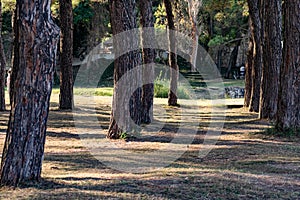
pixel 243 162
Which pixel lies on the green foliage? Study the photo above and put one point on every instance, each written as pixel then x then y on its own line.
pixel 83 13
pixel 6 22
pixel 217 40
pixel 8 5
pixel 225 20
pixel 124 136
pixel 160 15
pixel 161 89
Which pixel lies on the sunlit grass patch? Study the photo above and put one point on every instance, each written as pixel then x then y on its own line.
pixel 106 91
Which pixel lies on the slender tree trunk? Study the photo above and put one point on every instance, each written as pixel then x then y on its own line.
pixel 233 58
pixel 289 95
pixel 15 55
pixel 66 55
pixel 255 15
pixel 193 9
pixel 148 37
pixel 2 66
pixel 123 18
pixel 219 62
pixel 174 73
pixel 249 66
pixel 37 46
pixel 272 56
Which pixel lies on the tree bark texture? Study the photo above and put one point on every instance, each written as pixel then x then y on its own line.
pixel 249 66
pixel 123 18
pixel 34 67
pixel 174 72
pixel 2 66
pixel 66 58
pixel 148 37
pixel 289 95
pixel 255 15
pixel 272 57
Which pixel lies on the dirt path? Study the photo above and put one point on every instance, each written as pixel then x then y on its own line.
pixel 243 164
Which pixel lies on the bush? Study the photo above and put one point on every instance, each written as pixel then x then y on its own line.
pixel 161 90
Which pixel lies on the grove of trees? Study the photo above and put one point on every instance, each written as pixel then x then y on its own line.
pixel 272 85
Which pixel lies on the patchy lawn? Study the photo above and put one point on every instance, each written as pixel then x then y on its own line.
pixel 244 164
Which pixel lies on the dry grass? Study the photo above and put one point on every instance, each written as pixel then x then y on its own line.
pixel 244 164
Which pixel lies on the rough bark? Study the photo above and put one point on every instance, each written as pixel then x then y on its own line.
pixel 123 18
pixel 34 66
pixel 2 66
pixel 174 73
pixel 255 15
pixel 249 66
pixel 66 58
pixel 147 20
pixel 272 57
pixel 289 95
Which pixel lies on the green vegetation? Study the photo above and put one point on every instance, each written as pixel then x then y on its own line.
pixel 89 91
pixel 286 133
pixel 161 89
pixel 234 83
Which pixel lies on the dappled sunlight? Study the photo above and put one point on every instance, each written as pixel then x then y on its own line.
pixel 240 165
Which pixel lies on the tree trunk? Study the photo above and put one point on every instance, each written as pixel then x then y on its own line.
pixel 193 9
pixel 123 18
pixel 37 46
pixel 2 66
pixel 219 59
pixel 232 60
pixel 15 56
pixel 255 15
pixel 289 95
pixel 174 72
pixel 147 20
pixel 66 55
pixel 272 56
pixel 249 66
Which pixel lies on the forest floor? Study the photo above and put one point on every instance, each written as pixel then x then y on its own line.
pixel 243 163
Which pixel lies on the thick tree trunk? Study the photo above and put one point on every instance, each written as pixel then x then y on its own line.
pixel 123 18
pixel 66 58
pixel 174 72
pixel 289 95
pixel 272 57
pixel 2 66
pixel 147 20
pixel 255 15
pixel 37 46
pixel 232 60
pixel 249 66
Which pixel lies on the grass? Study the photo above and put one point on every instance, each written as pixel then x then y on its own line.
pixel 161 89
pixel 107 91
pixel 234 83
pixel 242 165
pixel 286 133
